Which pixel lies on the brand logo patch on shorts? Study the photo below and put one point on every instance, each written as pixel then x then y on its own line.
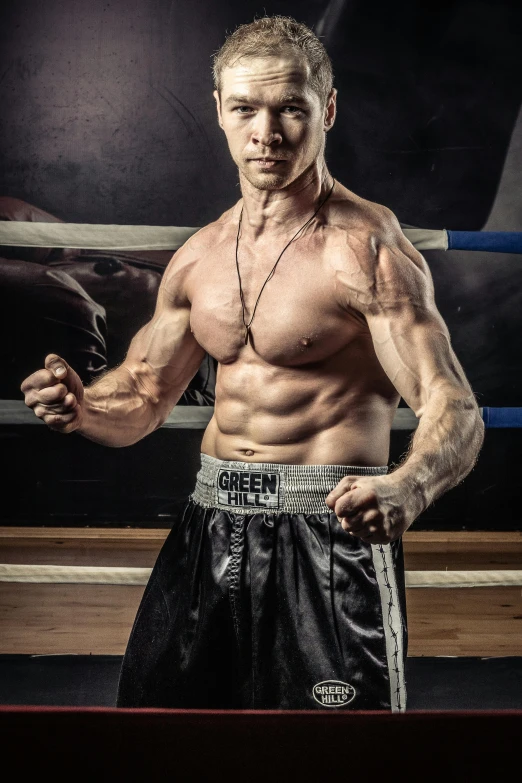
pixel 333 693
pixel 248 488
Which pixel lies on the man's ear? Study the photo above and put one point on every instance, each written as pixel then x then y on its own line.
pixel 330 110
pixel 218 107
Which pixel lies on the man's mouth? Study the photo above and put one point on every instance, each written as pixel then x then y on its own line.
pixel 267 163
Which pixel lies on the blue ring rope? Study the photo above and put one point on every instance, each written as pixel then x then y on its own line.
pixel 490 241
pixel 497 418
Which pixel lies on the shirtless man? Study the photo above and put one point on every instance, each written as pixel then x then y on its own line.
pixel 282 583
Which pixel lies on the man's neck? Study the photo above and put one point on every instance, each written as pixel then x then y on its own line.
pixel 269 213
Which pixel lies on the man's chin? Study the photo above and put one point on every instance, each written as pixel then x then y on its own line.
pixel 267 180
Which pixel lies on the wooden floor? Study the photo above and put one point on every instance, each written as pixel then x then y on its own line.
pixel 96 619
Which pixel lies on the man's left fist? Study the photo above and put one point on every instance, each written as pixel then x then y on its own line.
pixel 372 508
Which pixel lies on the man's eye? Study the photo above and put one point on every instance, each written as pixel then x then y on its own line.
pixel 292 109
pixel 242 109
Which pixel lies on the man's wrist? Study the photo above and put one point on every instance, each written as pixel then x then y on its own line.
pixel 411 490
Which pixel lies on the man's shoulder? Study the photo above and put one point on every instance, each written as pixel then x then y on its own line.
pixel 353 213
pixel 211 234
pixel 384 255
pixel 184 266
pixel 375 226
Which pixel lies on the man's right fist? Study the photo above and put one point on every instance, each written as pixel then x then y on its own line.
pixel 55 394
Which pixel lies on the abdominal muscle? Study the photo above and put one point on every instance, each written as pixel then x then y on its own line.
pixel 299 415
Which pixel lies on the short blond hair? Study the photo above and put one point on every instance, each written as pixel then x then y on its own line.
pixel 273 35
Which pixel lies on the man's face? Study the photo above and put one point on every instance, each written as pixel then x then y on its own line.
pixel 274 122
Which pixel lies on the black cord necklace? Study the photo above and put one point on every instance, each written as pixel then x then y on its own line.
pixel 248 325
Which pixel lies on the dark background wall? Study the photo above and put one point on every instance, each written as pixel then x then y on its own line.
pixel 107 117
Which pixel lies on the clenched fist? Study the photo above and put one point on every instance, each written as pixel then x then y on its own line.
pixel 55 394
pixel 373 508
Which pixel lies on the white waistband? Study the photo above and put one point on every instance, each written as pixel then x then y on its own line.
pixel 252 487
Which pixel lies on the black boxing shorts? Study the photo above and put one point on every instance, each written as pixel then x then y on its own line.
pixel 260 600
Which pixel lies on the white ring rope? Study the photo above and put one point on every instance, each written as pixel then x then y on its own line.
pixel 187 417
pixel 93 236
pixel 192 417
pixel 106 575
pixel 464 578
pixel 95 575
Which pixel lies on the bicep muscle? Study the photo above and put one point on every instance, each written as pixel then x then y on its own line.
pixel 410 337
pixel 164 355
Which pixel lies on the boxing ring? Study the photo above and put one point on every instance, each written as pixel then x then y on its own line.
pixel 130 744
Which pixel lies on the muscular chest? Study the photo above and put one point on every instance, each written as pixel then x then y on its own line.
pixel 297 318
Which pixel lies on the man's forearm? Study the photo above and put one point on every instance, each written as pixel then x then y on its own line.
pixel 444 449
pixel 121 408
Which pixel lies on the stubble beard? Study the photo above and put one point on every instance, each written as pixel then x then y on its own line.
pixel 266 182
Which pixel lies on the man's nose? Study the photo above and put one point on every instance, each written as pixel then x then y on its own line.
pixel 267 129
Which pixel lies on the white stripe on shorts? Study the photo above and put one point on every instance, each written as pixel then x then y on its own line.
pixel 391 617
